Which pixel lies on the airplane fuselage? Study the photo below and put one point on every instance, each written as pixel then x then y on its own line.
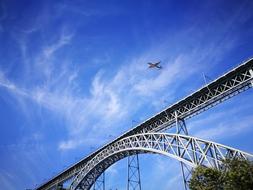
pixel 155 65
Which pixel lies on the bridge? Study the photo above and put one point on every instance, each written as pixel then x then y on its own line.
pixel 151 137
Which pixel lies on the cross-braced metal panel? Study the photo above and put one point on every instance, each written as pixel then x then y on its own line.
pixel 189 150
pixel 133 177
pixel 186 170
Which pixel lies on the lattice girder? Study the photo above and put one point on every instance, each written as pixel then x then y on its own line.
pixel 189 150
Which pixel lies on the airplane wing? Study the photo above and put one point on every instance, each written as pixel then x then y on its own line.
pixel 156 64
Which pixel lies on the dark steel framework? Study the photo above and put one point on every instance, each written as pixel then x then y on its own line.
pixel 133 173
pixel 186 170
pixel 217 91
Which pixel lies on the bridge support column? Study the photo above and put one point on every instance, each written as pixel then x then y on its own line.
pixel 133 171
pixel 134 179
pixel 186 170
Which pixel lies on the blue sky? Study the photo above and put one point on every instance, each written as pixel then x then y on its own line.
pixel 73 76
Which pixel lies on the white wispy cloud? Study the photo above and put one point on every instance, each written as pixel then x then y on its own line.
pixel 226 129
pixel 6 179
pixel 51 49
pixel 164 171
pixel 111 99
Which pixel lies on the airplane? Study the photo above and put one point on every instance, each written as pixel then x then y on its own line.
pixel 155 65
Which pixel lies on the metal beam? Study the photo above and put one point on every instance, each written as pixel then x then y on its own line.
pixel 186 172
pixel 133 173
pixel 251 73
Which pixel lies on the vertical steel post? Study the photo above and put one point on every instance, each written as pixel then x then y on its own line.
pixel 133 171
pixel 181 129
pixel 251 73
pixel 134 179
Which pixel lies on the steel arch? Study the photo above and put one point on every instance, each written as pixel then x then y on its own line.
pixel 190 150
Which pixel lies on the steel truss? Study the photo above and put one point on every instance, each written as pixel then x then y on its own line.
pixel 186 170
pixel 189 150
pixel 133 177
pixel 217 91
pixel 133 171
